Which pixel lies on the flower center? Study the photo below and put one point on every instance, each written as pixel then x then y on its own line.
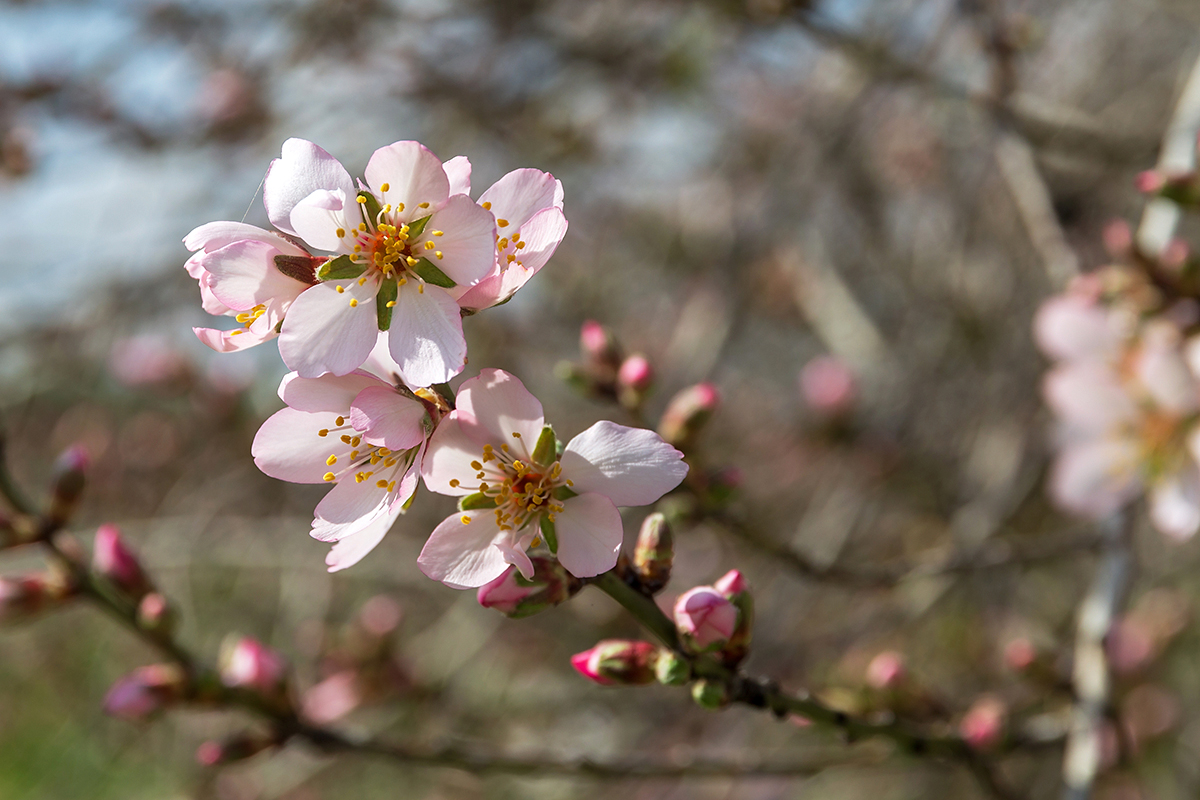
pixel 525 490
pixel 365 461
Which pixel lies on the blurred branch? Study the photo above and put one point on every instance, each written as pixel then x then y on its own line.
pixel 1178 156
pixel 1035 206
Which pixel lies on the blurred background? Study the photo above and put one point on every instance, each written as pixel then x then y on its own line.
pixel 890 187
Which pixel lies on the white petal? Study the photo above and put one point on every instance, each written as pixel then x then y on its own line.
pixel 333 393
pixel 465 556
pixel 589 534
pixel 323 332
pixel 630 466
pixel 458 171
pixel 288 447
pixel 244 275
pixel 519 195
pixel 413 174
pixel 303 169
pixel 494 405
pixel 318 217
pixel 350 550
pixel 232 341
pixel 1072 326
pixel 1088 396
pixel 449 458
pixel 1175 504
pixel 426 337
pixel 388 418
pixel 1097 477
pixel 468 243
pixel 381 363
pixel 349 507
pixel 215 235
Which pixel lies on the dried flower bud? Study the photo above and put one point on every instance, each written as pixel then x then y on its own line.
pixel 687 413
pixel 145 691
pixel 516 596
pixel 617 662
pixel 983 725
pixel 710 694
pixel 113 560
pixel 654 552
pixel 249 664
pixel 705 618
pixel 886 670
pixel 67 484
pixel 671 669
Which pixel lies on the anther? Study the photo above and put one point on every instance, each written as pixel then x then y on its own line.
pixel 383 187
pixel 381 483
pixel 487 205
pixel 503 223
pixel 465 519
pixel 341 232
pixel 341 289
pixel 331 460
pixel 329 476
pixel 323 432
pixel 353 303
pixel 423 205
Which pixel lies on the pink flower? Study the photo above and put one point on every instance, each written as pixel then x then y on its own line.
pixel 250 664
pixel 494 446
pixel 145 691
pixel 401 242
pixel 705 617
pixel 249 274
pixel 528 206
pixel 359 433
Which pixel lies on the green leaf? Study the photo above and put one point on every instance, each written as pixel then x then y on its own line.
pixel 548 533
pixel 298 268
pixel 370 206
pixel 431 274
pixel 544 450
pixel 387 294
pixel 341 267
pixel 475 502
pixel 417 226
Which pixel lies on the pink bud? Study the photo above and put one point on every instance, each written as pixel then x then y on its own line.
pixel 112 559
pixel 1150 182
pixel 828 386
pixel 517 597
pixel 983 725
pixel 616 661
pixel 886 670
pixel 1118 238
pixel 635 373
pixel 705 617
pixel 154 613
pixel 210 754
pixel 247 663
pixel 1176 254
pixel 505 594
pixel 731 583
pixel 145 691
pixel 594 340
pixel 68 483
pixel 333 698
pixel 1019 654
pixel 380 616
pixel 688 412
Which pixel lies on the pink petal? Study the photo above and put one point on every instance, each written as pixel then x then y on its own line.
pixel 351 506
pixel 232 341
pixel 318 217
pixel 426 337
pixel 332 393
pixel 1175 504
pixel 215 235
pixel 1096 478
pixel 589 533
pixel 458 171
pixel 468 243
pixel 1162 370
pixel 303 169
pixel 244 275
pixel 542 235
pixel 288 447
pixel 519 195
pixel 1088 396
pixel 465 556
pixel 517 556
pixel 323 332
pixel 381 363
pixel 350 550
pixel 414 175
pixel 494 405
pixel 630 466
pixel 208 300
pixel 388 418
pixel 449 458
pixel 1072 326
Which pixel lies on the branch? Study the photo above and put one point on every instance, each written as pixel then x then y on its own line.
pixel 1178 156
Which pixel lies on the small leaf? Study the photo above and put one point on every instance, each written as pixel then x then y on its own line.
pixel 417 226
pixel 548 533
pixel 298 268
pixel 431 274
pixel 475 502
pixel 387 294
pixel 370 206
pixel 544 450
pixel 341 267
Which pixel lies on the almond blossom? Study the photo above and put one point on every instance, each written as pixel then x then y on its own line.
pixel 359 433
pixel 495 453
pixel 400 241
pixel 528 206
pixel 247 273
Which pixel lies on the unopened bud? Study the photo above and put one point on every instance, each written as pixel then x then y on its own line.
pixel 113 560
pixel 235 748
pixel 154 614
pixel 617 662
pixel 886 670
pixel 249 664
pixel 67 484
pixel 705 618
pixel 671 669
pixel 634 379
pixel 733 585
pixel 828 386
pixel 983 725
pixel 1020 654
pixel 599 346
pixel 1150 181
pixel 687 413
pixel 23 597
pixel 710 694
pixel 145 691
pixel 516 596
pixel 1118 238
pixel 654 552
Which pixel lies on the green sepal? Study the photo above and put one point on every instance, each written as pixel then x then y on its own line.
pixel 341 267
pixel 565 493
pixel 431 274
pixel 476 502
pixel 446 392
pixel 548 533
pixel 387 294
pixel 370 206
pixel 545 449
pixel 417 226
pixel 299 268
pixel 408 502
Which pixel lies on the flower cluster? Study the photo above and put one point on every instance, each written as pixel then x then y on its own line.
pixel 366 283
pixel 1125 387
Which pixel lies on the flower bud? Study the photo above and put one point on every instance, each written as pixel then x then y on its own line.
pixel 705 617
pixel 828 386
pixel 599 348
pixel 515 596
pixel 113 560
pixel 25 596
pixel 249 664
pixel 654 552
pixel 687 413
pixel 145 691
pixel 1020 654
pixel 671 669
pixel 634 379
pixel 733 585
pixel 886 670
pixel 710 694
pixel 617 662
pixel 67 484
pixel 154 614
pixel 983 725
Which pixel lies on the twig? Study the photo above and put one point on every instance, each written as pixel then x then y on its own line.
pixel 1178 155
